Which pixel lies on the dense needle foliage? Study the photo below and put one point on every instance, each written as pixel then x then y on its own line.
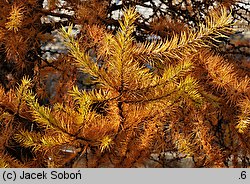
pixel 126 92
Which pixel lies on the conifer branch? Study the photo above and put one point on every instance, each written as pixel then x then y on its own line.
pixel 15 19
pixel 84 62
pixel 243 125
pixel 217 26
pixel 8 162
pixel 153 97
pixel 225 77
pixel 41 115
pixel 29 139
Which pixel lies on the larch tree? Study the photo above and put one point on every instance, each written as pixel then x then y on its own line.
pixel 126 91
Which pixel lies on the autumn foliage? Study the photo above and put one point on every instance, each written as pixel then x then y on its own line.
pixel 80 88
